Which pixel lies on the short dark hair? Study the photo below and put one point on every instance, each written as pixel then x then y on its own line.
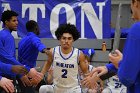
pixel 32 26
pixel 67 28
pixel 134 1
pixel 7 15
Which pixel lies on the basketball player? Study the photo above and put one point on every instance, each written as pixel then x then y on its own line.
pixel 28 49
pixel 65 60
pixel 88 55
pixel 49 88
pixel 128 63
pixel 114 86
pixel 7 44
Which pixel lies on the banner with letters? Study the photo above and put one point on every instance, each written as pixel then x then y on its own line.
pixel 91 17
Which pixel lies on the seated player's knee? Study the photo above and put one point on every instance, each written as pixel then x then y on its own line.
pixel 42 89
pixel 46 89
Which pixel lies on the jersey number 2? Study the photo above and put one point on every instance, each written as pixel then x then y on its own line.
pixel 118 85
pixel 64 75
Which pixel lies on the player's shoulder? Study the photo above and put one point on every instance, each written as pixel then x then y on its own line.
pixel 51 50
pixel 4 34
pixel 136 24
pixel 81 55
pixel 56 48
pixel 34 38
pixel 77 50
pixel 135 30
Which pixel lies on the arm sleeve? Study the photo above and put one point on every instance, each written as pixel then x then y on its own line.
pixel 5 56
pixel 111 72
pixel 111 68
pixel 37 43
pixel 5 67
pixel 8 56
pixel 129 67
pixel 8 59
pixel 108 75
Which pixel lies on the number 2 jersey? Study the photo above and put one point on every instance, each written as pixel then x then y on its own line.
pixel 65 68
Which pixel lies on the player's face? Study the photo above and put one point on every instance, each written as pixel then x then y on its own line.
pixel 37 30
pixel 66 41
pixel 135 6
pixel 12 23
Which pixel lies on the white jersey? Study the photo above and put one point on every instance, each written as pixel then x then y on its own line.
pixel 114 82
pixel 65 73
pixel 114 86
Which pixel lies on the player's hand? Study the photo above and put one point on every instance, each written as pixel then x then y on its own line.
pixel 37 79
pixel 93 91
pixel 32 73
pixel 19 69
pixel 101 70
pixel 7 85
pixel 115 58
pixel 25 81
pixel 47 52
pixel 90 81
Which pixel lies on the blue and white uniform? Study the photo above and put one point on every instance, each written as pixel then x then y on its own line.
pixel 129 66
pixel 74 54
pixel 65 75
pixel 114 86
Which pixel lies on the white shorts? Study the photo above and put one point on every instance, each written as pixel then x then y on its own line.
pixel 76 89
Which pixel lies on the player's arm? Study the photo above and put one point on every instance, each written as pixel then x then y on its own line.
pixel 6 56
pixel 8 59
pixel 48 63
pixel 38 44
pixel 128 68
pixel 12 68
pixel 45 68
pixel 82 63
pixel 50 76
pixel 111 68
pixel 5 67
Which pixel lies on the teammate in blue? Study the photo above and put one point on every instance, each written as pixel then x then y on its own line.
pixel 6 83
pixel 28 49
pixel 128 63
pixel 65 60
pixel 7 43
